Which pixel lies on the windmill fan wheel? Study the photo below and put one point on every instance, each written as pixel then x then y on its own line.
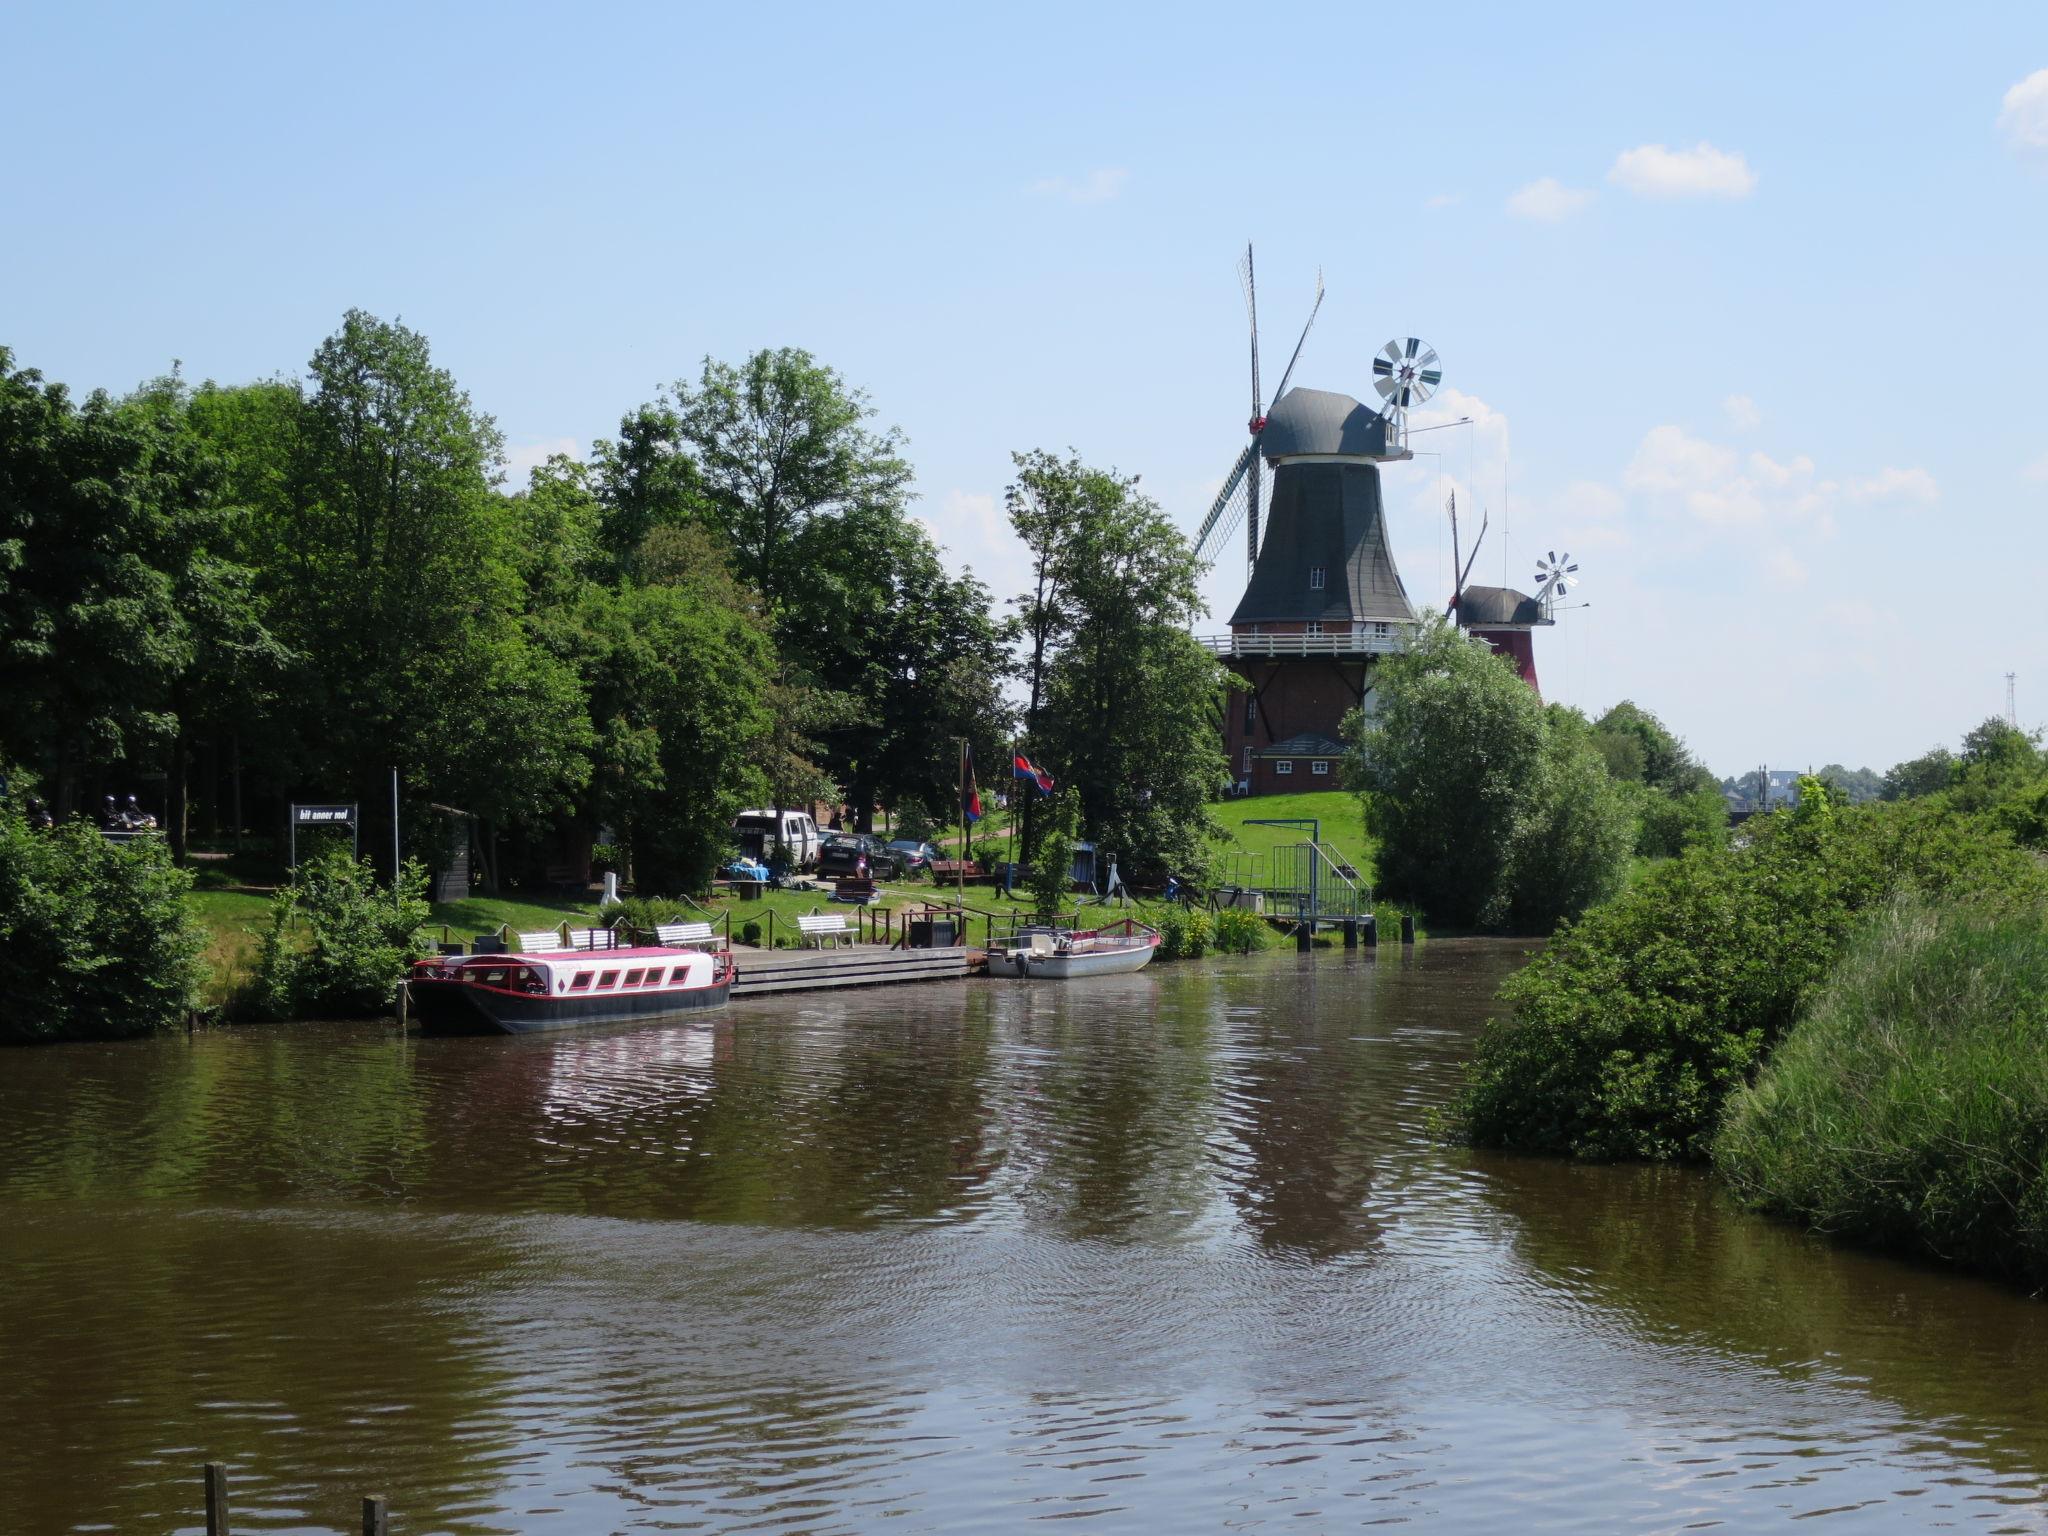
pixel 1406 373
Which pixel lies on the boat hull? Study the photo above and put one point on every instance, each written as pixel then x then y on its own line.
pixel 451 1008
pixel 1063 967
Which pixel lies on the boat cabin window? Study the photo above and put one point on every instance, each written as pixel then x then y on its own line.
pixel 678 974
pixel 493 977
pixel 633 978
pixel 607 978
pixel 581 982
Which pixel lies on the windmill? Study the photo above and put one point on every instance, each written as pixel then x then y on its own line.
pixel 1241 493
pixel 1555 576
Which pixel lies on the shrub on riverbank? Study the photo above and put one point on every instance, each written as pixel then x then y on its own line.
pixel 1630 1031
pixel 1184 933
pixel 95 943
pixel 1239 932
pixel 338 942
pixel 1909 1107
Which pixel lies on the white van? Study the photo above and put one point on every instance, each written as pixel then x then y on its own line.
pixel 755 831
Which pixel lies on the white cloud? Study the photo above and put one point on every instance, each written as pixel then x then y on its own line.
pixel 1444 200
pixel 973 529
pixel 1783 569
pixel 1590 498
pixel 522 459
pixel 1098 186
pixel 1548 201
pixel 1894 484
pixel 1652 170
pixel 2024 120
pixel 2038 470
pixel 1742 413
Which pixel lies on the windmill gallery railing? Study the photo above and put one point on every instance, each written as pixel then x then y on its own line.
pixel 1367 643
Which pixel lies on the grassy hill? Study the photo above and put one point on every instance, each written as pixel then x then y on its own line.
pixel 1341 813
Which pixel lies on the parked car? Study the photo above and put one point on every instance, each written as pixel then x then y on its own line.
pixel 917 856
pixel 843 854
pixel 886 860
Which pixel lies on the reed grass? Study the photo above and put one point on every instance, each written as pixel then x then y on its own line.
pixel 1908 1108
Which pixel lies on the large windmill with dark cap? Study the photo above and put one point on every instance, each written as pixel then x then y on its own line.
pixel 1323 601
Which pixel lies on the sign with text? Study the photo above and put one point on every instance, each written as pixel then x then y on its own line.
pixel 313 818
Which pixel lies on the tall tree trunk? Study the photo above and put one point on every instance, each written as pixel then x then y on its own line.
pixel 177 795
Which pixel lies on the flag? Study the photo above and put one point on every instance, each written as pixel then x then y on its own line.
pixel 970 797
pixel 1037 776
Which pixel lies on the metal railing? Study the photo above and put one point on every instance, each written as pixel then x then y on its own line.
pixel 1345 644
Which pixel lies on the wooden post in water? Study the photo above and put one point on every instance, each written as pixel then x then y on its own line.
pixel 216 1499
pixel 376 1521
pixel 1407 927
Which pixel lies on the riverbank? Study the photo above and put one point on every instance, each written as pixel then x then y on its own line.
pixel 1842 1016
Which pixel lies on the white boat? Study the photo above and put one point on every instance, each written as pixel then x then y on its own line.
pixel 1049 954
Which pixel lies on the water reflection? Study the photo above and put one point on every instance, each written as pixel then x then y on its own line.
pixel 1166 1250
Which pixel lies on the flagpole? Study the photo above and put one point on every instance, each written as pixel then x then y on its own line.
pixel 1010 884
pixel 966 842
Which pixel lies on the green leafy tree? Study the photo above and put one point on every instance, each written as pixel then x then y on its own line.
pixel 397 580
pixel 780 443
pixel 102 515
pixel 338 942
pixel 95 942
pixel 677 674
pixel 1125 697
pixel 1637 746
pixel 1490 809
pixel 1928 774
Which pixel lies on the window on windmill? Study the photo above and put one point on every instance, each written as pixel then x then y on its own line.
pixel 1319 767
pixel 1312 627
pixel 1284 765
pixel 1315 578
pixel 1247 761
pixel 1251 710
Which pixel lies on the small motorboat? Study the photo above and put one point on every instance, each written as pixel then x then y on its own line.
pixel 1056 954
pixel 527 993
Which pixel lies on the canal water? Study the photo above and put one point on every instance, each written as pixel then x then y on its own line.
pixel 1166 1252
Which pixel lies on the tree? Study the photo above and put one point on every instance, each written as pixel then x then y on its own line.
pixel 397 578
pixel 677 674
pixel 102 513
pixel 1127 698
pixel 645 481
pixel 1636 746
pixel 1489 809
pixel 1928 774
pixel 780 443
pixel 1861 785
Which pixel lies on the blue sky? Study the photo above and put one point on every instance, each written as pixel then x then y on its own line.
pixel 1746 303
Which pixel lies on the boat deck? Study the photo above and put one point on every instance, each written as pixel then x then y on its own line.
pixel 763 971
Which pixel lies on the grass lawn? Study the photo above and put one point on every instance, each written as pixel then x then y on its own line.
pixel 1341 813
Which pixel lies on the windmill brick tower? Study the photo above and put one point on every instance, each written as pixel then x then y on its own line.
pixel 1324 601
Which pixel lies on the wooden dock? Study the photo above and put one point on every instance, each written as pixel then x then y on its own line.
pixel 763 971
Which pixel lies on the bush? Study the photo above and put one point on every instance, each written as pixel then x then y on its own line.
pixel 1053 860
pixel 1239 932
pixel 1463 756
pixel 750 933
pixel 1909 1107
pixel 646 913
pixel 1630 1030
pixel 1184 933
pixel 1668 825
pixel 357 939
pixel 607 857
pixel 95 942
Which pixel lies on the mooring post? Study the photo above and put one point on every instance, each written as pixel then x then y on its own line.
pixel 1351 933
pixel 376 1522
pixel 216 1499
pixel 1372 930
pixel 1305 936
pixel 1407 927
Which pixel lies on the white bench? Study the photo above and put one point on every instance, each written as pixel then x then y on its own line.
pixel 593 938
pixel 683 935
pixel 816 927
pixel 546 942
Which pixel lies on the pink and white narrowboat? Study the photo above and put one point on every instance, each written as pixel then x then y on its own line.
pixel 525 994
